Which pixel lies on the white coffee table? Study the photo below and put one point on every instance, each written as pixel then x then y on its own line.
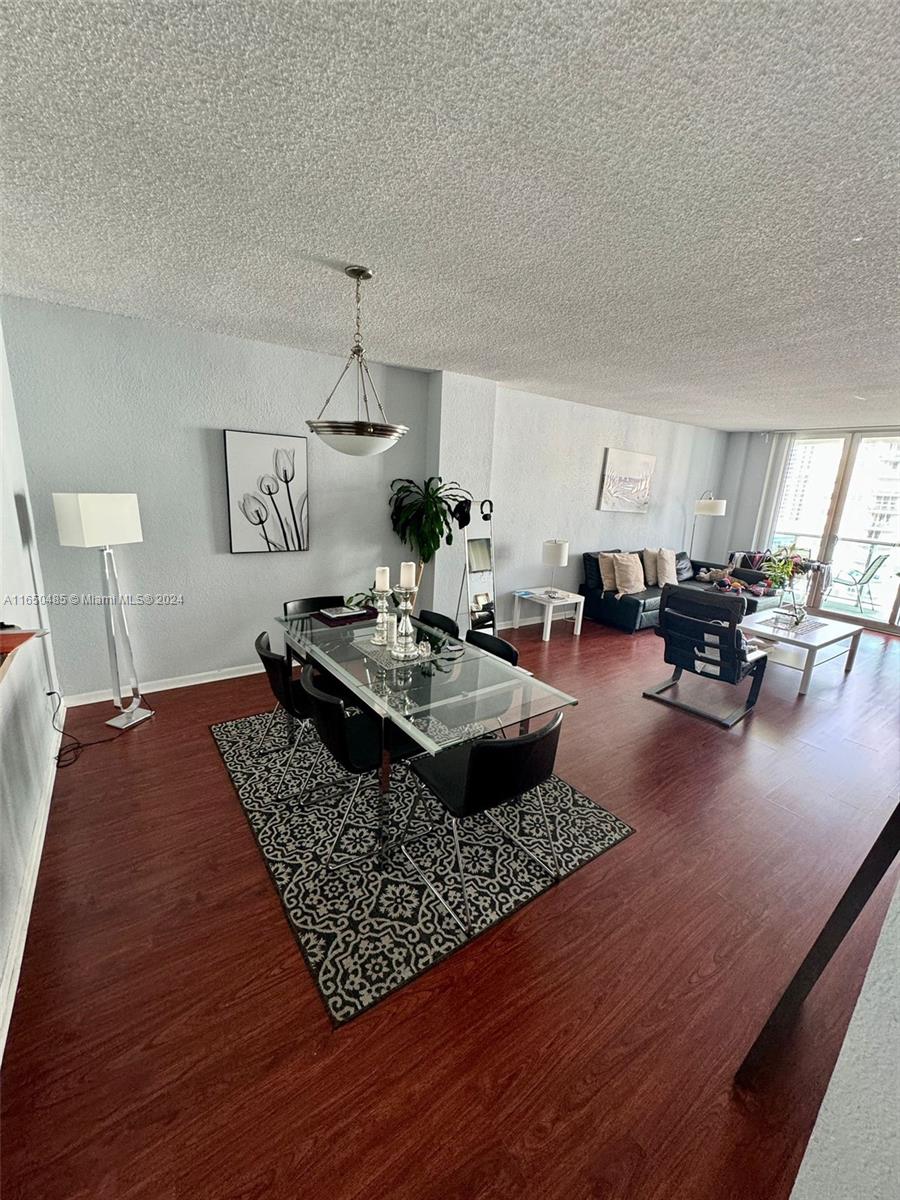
pixel 549 600
pixel 804 650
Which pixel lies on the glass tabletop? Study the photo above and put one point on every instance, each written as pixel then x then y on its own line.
pixel 456 694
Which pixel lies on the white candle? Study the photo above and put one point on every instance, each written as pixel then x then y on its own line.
pixel 408 575
pixel 382 579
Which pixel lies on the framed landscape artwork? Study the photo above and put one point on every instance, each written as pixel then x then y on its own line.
pixel 268 492
pixel 625 484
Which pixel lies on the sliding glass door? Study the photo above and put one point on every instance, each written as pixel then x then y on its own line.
pixel 808 490
pixel 864 540
pixel 839 502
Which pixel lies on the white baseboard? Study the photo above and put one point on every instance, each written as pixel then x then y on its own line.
pixel 533 621
pixel 26 896
pixel 167 685
pixel 522 621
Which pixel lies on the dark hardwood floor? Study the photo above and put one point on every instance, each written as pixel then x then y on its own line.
pixel 167 1040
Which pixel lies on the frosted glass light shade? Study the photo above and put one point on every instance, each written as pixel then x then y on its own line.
pixel 358 438
pixel 555 553
pixel 97 518
pixel 710 508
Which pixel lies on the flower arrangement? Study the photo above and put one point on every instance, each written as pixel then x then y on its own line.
pixel 783 564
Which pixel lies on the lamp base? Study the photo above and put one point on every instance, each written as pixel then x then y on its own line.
pixel 131 716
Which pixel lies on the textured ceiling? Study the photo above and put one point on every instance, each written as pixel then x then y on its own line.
pixel 683 209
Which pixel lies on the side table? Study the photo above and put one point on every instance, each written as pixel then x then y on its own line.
pixel 549 599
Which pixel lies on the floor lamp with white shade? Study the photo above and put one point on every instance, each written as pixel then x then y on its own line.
pixel 101 520
pixel 706 506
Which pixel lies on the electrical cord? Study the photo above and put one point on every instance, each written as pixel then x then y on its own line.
pixel 70 752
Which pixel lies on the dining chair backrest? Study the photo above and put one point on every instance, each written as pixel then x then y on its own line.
pixel 872 569
pixel 278 671
pixel 502 769
pixel 493 645
pixel 354 741
pixel 311 604
pixel 702 632
pixel 438 621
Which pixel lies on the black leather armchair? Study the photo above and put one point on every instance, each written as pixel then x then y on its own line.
pixel 702 635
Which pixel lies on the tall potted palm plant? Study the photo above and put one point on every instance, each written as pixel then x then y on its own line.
pixel 423 515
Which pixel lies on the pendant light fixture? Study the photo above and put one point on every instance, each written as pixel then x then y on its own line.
pixel 362 436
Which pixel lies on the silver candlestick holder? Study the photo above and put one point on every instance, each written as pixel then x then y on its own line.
pixel 400 684
pixel 405 647
pixel 379 638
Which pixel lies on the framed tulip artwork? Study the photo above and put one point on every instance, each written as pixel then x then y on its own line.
pixel 268 492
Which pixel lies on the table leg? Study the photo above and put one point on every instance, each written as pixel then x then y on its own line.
pixel 548 620
pixel 579 613
pixel 384 789
pixel 854 646
pixel 806 677
pixel 515 612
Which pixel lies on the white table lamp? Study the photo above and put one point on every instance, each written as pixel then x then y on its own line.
pixel 103 520
pixel 555 553
pixel 706 506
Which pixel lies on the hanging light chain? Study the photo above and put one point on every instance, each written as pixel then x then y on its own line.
pixel 365 385
pixel 357 337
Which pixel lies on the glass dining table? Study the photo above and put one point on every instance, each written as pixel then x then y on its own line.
pixel 453 693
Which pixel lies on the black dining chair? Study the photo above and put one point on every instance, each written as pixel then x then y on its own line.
pixel 311 604
pixel 499 648
pixel 291 699
pixel 494 645
pixel 437 620
pixel 478 776
pixel 278 672
pixel 352 739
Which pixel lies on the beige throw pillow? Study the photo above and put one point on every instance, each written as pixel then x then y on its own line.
pixel 607 572
pixel 649 557
pixel 665 567
pixel 629 574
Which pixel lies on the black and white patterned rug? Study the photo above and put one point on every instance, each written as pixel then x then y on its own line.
pixel 368 928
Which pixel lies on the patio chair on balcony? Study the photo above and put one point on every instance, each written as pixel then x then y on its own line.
pixel 859 582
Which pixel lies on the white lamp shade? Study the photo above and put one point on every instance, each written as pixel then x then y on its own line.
pixel 555 553
pixel 710 508
pixel 97 518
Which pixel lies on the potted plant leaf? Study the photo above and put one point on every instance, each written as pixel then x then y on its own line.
pixel 423 515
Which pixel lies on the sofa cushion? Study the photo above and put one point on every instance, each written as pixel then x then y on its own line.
pixel 684 568
pixel 665 567
pixel 645 601
pixel 608 569
pixel 592 580
pixel 649 560
pixel 629 573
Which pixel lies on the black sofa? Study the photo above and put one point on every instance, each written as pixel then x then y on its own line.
pixel 640 610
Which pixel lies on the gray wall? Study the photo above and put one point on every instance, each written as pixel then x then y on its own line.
pixel 460 448
pixel 548 456
pixel 742 483
pixel 113 404
pixel 27 737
